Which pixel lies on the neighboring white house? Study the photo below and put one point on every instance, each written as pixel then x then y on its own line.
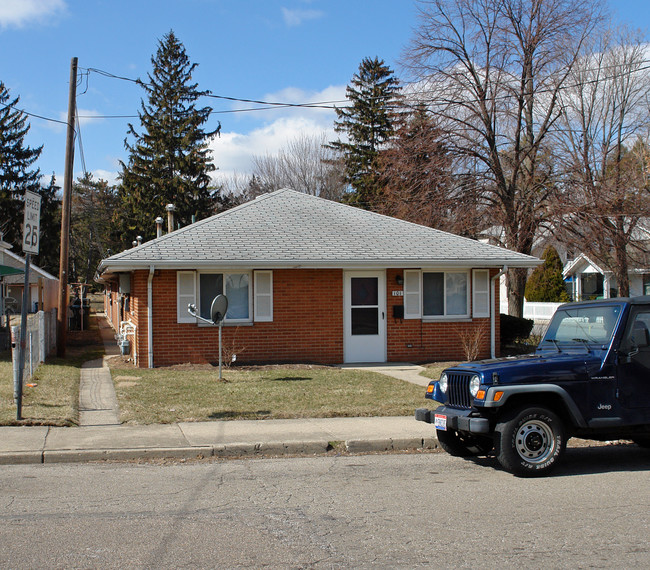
pixel 43 286
pixel 585 277
pixel 590 281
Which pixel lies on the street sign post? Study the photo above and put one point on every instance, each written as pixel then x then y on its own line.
pixel 32 223
pixel 31 243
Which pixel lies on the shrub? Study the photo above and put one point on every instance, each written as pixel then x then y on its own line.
pixel 546 283
pixel 514 328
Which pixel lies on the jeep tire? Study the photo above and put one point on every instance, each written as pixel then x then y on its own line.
pixel 530 441
pixel 463 445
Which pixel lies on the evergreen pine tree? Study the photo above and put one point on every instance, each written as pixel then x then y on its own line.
pixel 169 161
pixel 50 238
pixel 16 161
pixel 546 283
pixel 92 234
pixel 368 124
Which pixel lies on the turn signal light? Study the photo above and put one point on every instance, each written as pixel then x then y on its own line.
pixel 498 396
pixel 480 395
pixel 430 389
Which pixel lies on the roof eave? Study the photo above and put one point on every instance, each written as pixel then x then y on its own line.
pixel 120 267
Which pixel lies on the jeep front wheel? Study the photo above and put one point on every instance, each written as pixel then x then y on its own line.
pixel 530 441
pixel 460 445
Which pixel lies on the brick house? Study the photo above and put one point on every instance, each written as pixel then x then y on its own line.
pixel 307 280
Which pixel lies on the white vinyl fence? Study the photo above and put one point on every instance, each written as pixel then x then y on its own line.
pixel 540 313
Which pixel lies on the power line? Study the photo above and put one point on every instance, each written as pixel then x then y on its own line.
pixel 34 115
pixel 270 104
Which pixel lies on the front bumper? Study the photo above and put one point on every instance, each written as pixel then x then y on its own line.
pixel 458 420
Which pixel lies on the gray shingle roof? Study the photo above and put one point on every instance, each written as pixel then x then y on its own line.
pixel 291 229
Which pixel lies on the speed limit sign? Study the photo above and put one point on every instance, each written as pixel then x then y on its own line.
pixel 31 223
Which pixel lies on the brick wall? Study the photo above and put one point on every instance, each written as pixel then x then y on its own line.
pixel 414 340
pixel 307 325
pixel 307 322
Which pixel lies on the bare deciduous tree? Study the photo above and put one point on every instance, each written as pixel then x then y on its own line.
pixel 491 72
pixel 306 164
pixel 603 146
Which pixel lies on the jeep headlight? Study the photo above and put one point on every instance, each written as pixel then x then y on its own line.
pixel 474 385
pixel 442 383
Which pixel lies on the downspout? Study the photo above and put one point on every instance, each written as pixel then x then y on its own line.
pixel 150 315
pixel 493 319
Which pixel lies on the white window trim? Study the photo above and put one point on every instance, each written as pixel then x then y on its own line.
pixel 480 310
pixel 257 317
pixel 224 273
pixel 446 317
pixel 182 301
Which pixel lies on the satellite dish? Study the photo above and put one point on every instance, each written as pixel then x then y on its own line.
pixel 218 308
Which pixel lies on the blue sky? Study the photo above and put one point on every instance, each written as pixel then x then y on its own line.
pixel 272 50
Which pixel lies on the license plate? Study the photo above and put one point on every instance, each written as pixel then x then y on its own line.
pixel 440 422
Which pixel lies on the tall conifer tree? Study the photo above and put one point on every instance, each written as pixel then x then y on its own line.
pixel 48 255
pixel 368 124
pixel 16 162
pixel 169 160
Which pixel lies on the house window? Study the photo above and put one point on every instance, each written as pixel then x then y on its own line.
pixel 235 286
pixel 438 294
pixel 444 294
pixel 646 283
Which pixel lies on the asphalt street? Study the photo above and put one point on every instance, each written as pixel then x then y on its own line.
pixel 401 510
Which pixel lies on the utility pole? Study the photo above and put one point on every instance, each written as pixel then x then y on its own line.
pixel 62 313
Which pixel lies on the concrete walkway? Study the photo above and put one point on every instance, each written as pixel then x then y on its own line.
pixel 401 371
pixel 97 401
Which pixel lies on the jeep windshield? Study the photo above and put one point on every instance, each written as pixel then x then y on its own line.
pixel 582 325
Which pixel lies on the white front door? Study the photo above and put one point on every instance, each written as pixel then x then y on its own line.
pixel 364 316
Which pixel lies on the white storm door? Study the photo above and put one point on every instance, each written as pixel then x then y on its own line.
pixel 364 316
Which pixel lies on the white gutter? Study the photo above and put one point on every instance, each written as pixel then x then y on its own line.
pixel 150 315
pixel 493 320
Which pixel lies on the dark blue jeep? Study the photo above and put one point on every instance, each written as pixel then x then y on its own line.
pixel 589 378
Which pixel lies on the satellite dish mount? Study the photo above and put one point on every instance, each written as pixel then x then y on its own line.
pixel 218 311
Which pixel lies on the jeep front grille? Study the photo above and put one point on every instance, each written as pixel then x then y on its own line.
pixel 458 390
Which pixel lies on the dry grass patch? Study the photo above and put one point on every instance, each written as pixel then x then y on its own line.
pixel 434 369
pixel 168 395
pixel 54 398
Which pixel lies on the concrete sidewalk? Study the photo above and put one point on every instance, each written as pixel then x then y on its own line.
pixel 244 438
pixel 102 437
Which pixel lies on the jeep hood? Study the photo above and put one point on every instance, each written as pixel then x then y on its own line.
pixel 534 368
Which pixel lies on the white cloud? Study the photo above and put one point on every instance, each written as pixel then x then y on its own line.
pixel 87 116
pixel 109 176
pixel 18 13
pixel 233 152
pixel 293 18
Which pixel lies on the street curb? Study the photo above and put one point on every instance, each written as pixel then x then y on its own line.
pixel 390 444
pixel 84 455
pixel 230 450
pixel 21 457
